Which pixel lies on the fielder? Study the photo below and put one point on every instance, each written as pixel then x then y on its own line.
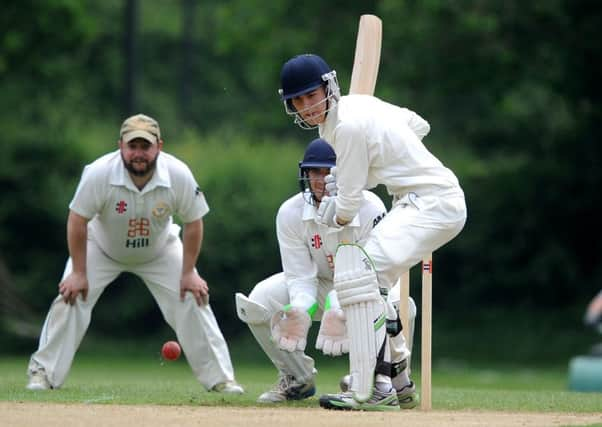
pixel 120 220
pixel 280 309
pixel 375 143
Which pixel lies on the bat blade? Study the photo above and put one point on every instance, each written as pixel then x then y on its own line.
pixel 367 55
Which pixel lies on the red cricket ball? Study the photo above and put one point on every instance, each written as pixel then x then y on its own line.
pixel 171 350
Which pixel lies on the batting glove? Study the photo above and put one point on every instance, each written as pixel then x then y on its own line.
pixel 330 182
pixel 327 212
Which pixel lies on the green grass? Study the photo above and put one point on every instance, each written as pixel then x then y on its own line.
pixel 143 378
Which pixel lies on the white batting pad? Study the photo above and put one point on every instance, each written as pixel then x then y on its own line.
pixel 357 289
pixel 354 276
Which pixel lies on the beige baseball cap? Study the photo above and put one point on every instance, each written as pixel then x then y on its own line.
pixel 140 126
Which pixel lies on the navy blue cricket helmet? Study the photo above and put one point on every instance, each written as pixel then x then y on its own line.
pixel 302 74
pixel 305 73
pixel 318 154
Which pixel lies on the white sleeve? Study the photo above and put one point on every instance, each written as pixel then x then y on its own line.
pixel 372 212
pixel 89 195
pixel 420 126
pixel 299 269
pixel 351 149
pixel 191 200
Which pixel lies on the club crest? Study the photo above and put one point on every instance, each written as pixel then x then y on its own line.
pixel 161 210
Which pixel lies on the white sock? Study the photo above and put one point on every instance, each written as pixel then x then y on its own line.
pixel 383 383
pixel 401 380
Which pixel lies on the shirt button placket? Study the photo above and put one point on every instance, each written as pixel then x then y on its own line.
pixel 139 206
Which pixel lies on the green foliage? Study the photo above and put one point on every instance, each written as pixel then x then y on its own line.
pixel 510 89
pixel 244 185
pixel 34 208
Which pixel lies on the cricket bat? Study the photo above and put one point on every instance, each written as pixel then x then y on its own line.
pixel 367 55
pixel 363 81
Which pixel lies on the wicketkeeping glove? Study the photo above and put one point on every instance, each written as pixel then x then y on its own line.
pixel 332 337
pixel 289 328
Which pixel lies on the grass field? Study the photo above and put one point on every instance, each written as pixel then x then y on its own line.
pixel 146 379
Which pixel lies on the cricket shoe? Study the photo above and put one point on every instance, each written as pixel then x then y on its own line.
pixel 228 387
pixel 288 388
pixel 407 396
pixel 38 380
pixel 379 401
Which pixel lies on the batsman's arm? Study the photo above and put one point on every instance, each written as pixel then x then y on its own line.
pixel 352 169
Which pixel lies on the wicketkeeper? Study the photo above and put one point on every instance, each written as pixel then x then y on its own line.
pixel 280 309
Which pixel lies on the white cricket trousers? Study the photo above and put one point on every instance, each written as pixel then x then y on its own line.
pixel 416 225
pixel 196 327
pixel 298 363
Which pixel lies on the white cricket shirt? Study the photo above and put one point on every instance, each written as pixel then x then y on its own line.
pixel 307 248
pixel 131 225
pixel 377 143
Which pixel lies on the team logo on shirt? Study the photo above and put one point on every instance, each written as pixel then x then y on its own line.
pixel 138 233
pixel 121 207
pixel 161 210
pixel 316 241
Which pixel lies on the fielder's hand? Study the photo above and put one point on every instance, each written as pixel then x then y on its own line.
pixel 332 337
pixel 289 328
pixel 74 284
pixel 196 285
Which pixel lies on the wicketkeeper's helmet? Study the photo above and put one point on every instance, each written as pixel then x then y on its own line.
pixel 318 154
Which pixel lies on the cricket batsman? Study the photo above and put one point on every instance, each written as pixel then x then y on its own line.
pixel 375 143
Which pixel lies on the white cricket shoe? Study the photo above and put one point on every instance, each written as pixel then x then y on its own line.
pixel 288 388
pixel 38 380
pixel 228 387
pixel 407 396
pixel 379 401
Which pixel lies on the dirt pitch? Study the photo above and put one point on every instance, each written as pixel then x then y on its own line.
pixel 67 415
